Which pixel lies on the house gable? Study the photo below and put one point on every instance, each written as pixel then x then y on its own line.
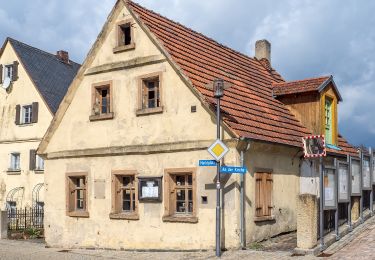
pixel 21 92
pixel 176 123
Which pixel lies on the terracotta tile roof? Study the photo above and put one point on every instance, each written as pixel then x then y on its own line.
pixel 345 147
pixel 299 86
pixel 248 107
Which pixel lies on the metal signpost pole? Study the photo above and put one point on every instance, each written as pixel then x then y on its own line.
pixel 371 180
pixel 321 210
pixel 218 186
pixel 242 215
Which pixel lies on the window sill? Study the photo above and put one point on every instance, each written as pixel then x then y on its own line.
pixel 25 124
pixel 149 111
pixel 38 171
pixel 126 216
pixel 123 48
pixel 78 214
pixel 101 117
pixel 180 219
pixel 13 172
pixel 264 218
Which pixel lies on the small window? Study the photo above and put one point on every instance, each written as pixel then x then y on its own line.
pixel 263 196
pixel 26 114
pixel 151 93
pixel 11 207
pixel 328 120
pixel 181 197
pixel 77 195
pixel 102 101
pixel 125 34
pixel 124 196
pixel 39 163
pixel 14 162
pixel 8 71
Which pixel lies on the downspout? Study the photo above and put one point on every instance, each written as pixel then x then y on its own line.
pixel 242 196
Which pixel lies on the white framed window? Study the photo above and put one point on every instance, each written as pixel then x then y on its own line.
pixel 15 161
pixel 39 163
pixel 8 71
pixel 27 112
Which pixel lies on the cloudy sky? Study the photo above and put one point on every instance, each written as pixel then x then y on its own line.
pixel 309 38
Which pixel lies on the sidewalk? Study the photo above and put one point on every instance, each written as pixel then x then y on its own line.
pixel 25 250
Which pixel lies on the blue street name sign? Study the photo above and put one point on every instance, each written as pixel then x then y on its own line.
pixel 233 169
pixel 207 163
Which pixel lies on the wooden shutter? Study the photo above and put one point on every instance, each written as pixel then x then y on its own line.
pixel 18 114
pixel 32 160
pixel 268 192
pixel 35 110
pixel 70 195
pixel 258 194
pixel 15 71
pixel 1 74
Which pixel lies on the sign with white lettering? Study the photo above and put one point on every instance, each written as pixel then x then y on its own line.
pixel 149 188
pixel 207 163
pixel 233 169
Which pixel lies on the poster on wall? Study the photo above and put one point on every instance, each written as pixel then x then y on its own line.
pixel 329 189
pixel 343 183
pixel 149 188
pixel 366 174
pixel 356 178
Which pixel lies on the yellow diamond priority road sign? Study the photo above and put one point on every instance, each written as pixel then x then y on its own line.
pixel 218 149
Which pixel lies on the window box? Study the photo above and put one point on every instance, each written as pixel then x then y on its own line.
pixel 180 195
pixel 76 194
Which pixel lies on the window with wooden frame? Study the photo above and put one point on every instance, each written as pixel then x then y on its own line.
pixel 101 102
pixel 76 195
pixel 150 94
pixel 124 195
pixel 329 118
pixel 263 196
pixel 9 71
pixel 27 114
pixel 125 36
pixel 180 195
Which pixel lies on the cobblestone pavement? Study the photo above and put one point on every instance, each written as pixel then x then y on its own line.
pixel 359 246
pixel 25 250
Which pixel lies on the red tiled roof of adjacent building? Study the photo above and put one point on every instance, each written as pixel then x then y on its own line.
pixel 248 107
pixel 346 148
pixel 298 86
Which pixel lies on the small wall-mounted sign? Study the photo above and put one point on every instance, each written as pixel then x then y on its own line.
pixel 207 163
pixel 149 188
pixel 233 169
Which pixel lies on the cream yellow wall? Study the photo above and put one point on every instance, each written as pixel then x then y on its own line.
pixel 19 138
pixel 149 232
pixel 284 164
pixel 175 124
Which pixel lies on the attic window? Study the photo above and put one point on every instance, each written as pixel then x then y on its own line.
pixel 150 95
pixel 125 37
pixel 101 107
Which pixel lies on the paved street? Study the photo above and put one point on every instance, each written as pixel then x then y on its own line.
pixel 357 245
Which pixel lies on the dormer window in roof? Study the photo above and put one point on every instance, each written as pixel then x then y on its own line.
pixel 329 119
pixel 125 36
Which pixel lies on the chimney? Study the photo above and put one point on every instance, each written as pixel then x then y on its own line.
pixel 63 56
pixel 263 50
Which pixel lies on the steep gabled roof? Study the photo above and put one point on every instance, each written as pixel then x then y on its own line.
pixel 303 86
pixel 50 75
pixel 248 106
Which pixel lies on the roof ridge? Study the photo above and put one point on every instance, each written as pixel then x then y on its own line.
pixel 37 49
pixel 194 31
pixel 300 80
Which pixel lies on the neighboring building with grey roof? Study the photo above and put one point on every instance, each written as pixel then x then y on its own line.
pixel 32 85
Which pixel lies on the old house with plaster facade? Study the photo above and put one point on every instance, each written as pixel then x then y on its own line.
pixel 33 83
pixel 122 151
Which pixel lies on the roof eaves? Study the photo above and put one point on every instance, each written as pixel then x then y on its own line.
pixel 326 83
